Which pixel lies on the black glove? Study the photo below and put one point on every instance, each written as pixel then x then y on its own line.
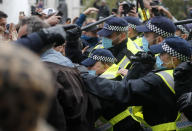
pixel 73 48
pixel 144 57
pixel 143 63
pixel 183 78
pixel 58 34
pixel 73 32
pixel 185 104
pixel 55 34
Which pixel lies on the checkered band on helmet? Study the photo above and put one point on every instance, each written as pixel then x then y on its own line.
pixel 159 31
pixel 172 52
pixel 132 26
pixel 183 29
pixel 103 59
pixel 116 28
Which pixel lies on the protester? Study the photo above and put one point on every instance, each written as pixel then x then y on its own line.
pixel 30 25
pixel 103 9
pixel 83 16
pixel 3 22
pixel 99 61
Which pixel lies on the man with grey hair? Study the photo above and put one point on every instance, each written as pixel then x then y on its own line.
pixel 31 24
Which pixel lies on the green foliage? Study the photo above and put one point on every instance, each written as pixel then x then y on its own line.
pixel 178 8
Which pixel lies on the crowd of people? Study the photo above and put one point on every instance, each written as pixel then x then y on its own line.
pixel 124 74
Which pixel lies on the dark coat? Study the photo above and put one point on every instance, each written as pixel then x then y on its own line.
pixel 111 109
pixel 80 108
pixel 103 10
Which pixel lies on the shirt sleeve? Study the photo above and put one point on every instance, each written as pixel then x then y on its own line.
pixel 81 20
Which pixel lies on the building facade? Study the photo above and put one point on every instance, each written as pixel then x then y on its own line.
pixel 73 6
pixel 13 7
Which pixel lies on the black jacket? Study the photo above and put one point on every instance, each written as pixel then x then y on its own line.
pixel 120 50
pixel 159 103
pixel 111 109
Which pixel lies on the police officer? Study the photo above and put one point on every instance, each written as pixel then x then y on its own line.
pixel 89 39
pixel 151 99
pixel 182 31
pixel 132 23
pixel 99 61
pixel 155 31
pixel 114 38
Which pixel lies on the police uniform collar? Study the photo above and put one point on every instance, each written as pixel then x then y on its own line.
pixel 119 47
pixel 134 38
pixel 159 70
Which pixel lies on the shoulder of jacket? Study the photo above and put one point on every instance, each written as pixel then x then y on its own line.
pixel 158 70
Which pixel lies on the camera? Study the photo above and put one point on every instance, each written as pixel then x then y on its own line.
pixel 127 7
pixel 155 11
pixel 114 10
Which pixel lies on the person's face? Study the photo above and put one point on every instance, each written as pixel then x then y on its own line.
pixel 101 25
pixel 91 34
pixel 68 22
pixel 152 38
pixel 22 31
pixel 132 33
pixel 103 3
pixel 117 38
pixel 147 3
pixel 180 34
pixel 61 49
pixel 169 61
pixel 99 68
pixel 3 22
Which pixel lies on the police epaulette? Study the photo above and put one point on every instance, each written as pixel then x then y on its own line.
pixel 158 70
